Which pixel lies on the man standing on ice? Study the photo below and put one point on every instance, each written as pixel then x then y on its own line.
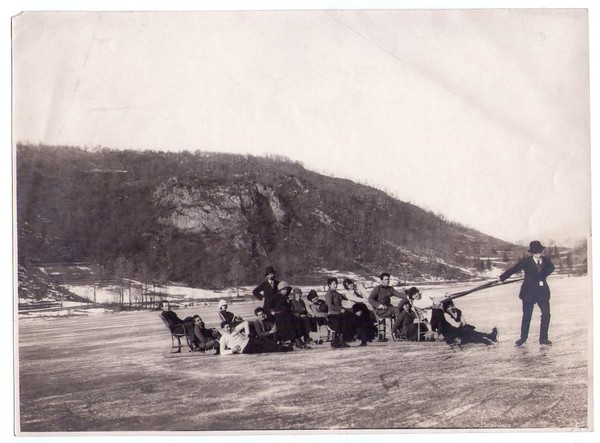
pixel 534 290
pixel 267 289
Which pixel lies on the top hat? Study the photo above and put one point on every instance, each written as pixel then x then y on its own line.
pixel 535 247
pixel 270 270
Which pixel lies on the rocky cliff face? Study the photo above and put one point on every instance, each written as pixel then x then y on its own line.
pixel 230 213
pixel 221 211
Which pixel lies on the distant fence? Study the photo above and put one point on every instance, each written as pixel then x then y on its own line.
pixel 38 306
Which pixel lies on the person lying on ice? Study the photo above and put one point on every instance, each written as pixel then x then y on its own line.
pixel 462 333
pixel 234 342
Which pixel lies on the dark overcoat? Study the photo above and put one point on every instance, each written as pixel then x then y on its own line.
pixel 534 286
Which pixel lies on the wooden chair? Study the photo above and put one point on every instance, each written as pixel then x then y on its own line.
pixel 320 323
pixel 419 319
pixel 176 336
pixel 382 327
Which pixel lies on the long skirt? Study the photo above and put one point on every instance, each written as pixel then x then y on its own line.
pixel 286 329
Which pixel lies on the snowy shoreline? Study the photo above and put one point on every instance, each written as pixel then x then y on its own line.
pixel 184 297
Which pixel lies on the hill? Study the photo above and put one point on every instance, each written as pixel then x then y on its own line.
pixel 214 220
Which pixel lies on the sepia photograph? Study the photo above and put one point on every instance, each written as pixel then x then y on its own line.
pixel 302 221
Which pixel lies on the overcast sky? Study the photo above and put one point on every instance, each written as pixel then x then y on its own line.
pixel 479 115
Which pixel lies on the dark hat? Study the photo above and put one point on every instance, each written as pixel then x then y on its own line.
pixel 411 291
pixel 312 294
pixel 535 247
pixel 296 291
pixel 447 304
pixel 270 270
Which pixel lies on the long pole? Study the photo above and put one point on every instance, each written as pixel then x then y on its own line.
pixel 475 289
pixel 481 287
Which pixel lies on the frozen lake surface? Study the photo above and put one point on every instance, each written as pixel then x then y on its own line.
pixel 113 372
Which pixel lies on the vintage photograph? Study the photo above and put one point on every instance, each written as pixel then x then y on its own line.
pixel 332 221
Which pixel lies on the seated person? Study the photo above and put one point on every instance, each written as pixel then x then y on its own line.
pixel 462 333
pixel 412 294
pixel 318 311
pixel 405 319
pixel 234 342
pixel 405 327
pixel 354 292
pixel 281 309
pixel 205 339
pixel 238 323
pixel 300 313
pixel 337 316
pixel 317 306
pixel 380 298
pixel 177 325
pixel 364 323
pixel 264 325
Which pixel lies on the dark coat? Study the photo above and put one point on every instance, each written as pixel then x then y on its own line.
pixel 334 302
pixel 173 320
pixel 381 295
pixel 263 328
pixel 531 289
pixel 179 326
pixel 279 304
pixel 265 292
pixel 298 307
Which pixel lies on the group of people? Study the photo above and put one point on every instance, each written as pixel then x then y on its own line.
pixel 285 321
pixel 294 319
